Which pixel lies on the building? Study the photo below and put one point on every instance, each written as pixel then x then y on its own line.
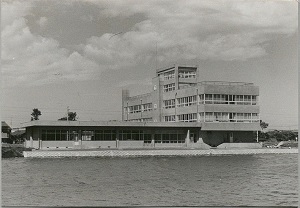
pixel 228 111
pixel 5 132
pixel 110 134
pixel 180 112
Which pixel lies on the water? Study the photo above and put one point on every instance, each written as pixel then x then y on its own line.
pixel 257 180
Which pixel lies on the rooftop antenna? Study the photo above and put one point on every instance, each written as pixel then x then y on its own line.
pixel 156 55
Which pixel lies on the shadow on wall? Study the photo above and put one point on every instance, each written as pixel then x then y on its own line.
pixel 216 138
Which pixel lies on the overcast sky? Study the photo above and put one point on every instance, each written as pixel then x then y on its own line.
pixel 64 53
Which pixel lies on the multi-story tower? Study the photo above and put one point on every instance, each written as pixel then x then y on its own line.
pixel 223 108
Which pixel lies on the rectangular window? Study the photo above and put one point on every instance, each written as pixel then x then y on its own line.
pixel 87 135
pixel 187 101
pixel 209 116
pixel 170 118
pixel 201 99
pixel 169 75
pixel 208 99
pixel 187 74
pixel 191 117
pixel 169 103
pixel 239 99
pixel 247 99
pixel 254 100
pixel 136 109
pixel 147 107
pixel 169 87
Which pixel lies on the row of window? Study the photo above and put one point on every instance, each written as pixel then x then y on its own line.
pixel 141 120
pixel 187 74
pixel 190 117
pixel 169 138
pixel 65 135
pixel 110 135
pixel 169 75
pixel 212 99
pixel 181 74
pixel 187 101
pixel 229 117
pixel 228 99
pixel 214 116
pixel 138 108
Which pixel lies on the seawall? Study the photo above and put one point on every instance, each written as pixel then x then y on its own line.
pixel 157 152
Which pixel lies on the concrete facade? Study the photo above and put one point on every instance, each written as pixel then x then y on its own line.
pixel 228 111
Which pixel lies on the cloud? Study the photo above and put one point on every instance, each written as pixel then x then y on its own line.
pixel 30 59
pixel 194 30
pixel 171 31
pixel 42 21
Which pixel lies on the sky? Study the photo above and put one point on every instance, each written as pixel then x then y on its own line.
pixel 80 54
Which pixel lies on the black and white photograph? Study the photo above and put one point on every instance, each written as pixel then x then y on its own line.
pixel 132 103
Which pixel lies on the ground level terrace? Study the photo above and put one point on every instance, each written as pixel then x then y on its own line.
pixel 77 134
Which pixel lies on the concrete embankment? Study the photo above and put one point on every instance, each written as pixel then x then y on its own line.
pixel 156 152
pixel 13 150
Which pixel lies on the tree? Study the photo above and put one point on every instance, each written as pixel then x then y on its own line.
pixel 72 116
pixel 35 114
pixel 263 125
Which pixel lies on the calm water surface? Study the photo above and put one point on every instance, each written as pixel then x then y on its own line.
pixel 256 180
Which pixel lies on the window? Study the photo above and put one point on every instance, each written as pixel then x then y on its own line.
pixel 105 135
pixel 191 117
pixel 87 135
pixel 169 75
pixel 239 99
pixel 187 101
pixel 169 103
pixel 137 109
pixel 187 74
pixel 169 138
pixel 147 107
pixel 247 99
pixel 228 99
pixel 170 118
pixel 169 87
pixel 228 117
pixel 219 99
pixel 208 99
pixel 209 117
pixel 254 100
pixel 201 99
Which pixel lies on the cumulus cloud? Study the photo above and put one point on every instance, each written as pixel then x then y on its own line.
pixel 32 59
pixel 171 30
pixel 194 30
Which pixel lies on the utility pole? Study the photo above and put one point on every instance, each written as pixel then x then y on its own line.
pixel 68 113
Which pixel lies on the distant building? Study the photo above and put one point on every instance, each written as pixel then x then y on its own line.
pixel 5 132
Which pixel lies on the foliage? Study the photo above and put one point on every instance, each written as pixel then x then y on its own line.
pixel 263 125
pixel 35 114
pixel 278 135
pixel 72 116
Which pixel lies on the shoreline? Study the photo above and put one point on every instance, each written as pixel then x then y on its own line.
pixel 154 152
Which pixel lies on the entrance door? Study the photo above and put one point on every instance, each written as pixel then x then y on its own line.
pixel 231 137
pixel 192 137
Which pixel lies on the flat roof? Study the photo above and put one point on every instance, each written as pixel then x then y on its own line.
pixel 110 123
pixel 175 65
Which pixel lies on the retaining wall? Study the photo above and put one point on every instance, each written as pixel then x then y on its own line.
pixel 138 153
